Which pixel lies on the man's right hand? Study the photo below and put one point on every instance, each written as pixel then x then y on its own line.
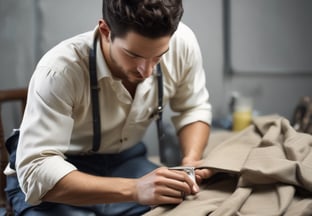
pixel 163 186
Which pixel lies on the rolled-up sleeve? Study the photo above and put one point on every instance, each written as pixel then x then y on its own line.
pixel 44 136
pixel 191 98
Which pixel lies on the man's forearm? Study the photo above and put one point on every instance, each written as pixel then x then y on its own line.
pixel 78 188
pixel 161 186
pixel 193 139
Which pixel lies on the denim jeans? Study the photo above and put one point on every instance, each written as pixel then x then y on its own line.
pixel 131 163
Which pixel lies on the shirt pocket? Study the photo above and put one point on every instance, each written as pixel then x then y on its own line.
pixel 147 115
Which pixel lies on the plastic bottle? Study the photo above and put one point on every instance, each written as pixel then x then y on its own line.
pixel 242 114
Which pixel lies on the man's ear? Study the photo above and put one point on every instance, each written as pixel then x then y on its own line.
pixel 104 30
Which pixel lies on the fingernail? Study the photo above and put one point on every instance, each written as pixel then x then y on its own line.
pixel 195 188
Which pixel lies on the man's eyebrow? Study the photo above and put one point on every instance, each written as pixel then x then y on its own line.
pixel 136 55
pixel 163 52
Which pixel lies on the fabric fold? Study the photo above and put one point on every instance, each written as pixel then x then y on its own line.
pixel 268 169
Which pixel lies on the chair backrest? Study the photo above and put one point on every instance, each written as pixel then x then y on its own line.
pixel 12 95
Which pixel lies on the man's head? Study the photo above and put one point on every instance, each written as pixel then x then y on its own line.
pixel 135 34
pixel 149 18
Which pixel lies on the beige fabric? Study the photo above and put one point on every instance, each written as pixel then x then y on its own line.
pixel 264 170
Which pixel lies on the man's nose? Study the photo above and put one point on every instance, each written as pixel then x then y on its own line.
pixel 145 68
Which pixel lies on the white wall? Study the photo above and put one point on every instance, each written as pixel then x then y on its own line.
pixel 17 42
pixel 63 19
pixel 271 93
pixel 17 51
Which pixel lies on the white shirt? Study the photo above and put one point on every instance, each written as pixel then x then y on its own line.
pixel 58 118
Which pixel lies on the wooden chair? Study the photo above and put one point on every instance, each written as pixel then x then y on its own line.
pixel 12 95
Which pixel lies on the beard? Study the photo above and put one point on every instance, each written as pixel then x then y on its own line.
pixel 131 76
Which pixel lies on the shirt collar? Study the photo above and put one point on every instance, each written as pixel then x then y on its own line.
pixel 101 65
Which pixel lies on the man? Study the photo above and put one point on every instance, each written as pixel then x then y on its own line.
pixel 57 170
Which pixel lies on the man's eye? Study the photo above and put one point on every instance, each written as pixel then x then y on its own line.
pixel 131 56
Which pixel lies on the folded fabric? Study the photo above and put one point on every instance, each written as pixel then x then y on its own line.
pixel 264 170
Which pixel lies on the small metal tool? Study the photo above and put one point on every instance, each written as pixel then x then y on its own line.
pixel 188 169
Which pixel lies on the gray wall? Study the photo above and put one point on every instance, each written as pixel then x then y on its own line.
pixel 30 27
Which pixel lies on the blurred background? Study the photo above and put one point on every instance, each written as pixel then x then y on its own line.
pixel 260 49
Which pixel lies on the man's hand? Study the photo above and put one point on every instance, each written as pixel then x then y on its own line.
pixel 200 174
pixel 164 186
pixel 193 139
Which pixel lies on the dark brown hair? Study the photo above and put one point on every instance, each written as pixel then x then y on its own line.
pixel 149 18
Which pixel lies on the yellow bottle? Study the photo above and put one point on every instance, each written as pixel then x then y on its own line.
pixel 242 114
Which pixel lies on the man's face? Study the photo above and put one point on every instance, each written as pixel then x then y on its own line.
pixel 133 57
